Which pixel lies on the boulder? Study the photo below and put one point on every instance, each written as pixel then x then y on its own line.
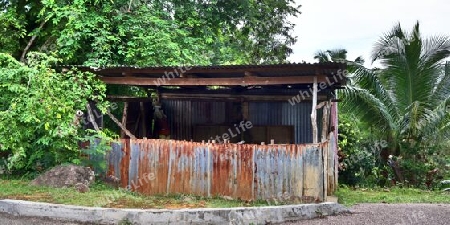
pixel 65 176
pixel 445 182
pixel 82 188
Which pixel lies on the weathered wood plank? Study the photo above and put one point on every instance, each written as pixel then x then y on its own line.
pixel 234 81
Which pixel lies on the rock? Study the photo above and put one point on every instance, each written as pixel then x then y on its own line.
pixel 187 199
pixel 446 190
pixel 65 176
pixel 82 188
pixel 228 198
pixel 445 182
pixel 112 181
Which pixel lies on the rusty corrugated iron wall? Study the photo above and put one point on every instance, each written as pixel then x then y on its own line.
pixel 247 172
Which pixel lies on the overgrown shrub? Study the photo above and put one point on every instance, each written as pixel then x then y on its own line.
pixel 38 106
pixel 360 152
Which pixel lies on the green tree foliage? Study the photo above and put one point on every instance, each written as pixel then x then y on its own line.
pixel 407 99
pixel 38 107
pixel 37 104
pixel 150 32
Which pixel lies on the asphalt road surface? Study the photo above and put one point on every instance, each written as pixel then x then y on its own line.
pixel 385 214
pixel 388 214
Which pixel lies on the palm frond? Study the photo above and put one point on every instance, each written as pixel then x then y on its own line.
pixel 359 60
pixel 338 55
pixel 436 122
pixel 411 90
pixel 441 90
pixel 322 57
pixel 362 103
pixel 388 44
pixel 369 80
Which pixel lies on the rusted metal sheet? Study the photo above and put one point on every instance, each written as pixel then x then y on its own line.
pixel 245 172
pixel 331 159
pixel 119 160
pixel 278 171
pixel 313 172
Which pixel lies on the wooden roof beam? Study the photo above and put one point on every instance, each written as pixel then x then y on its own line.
pixel 250 74
pixel 213 97
pixel 242 81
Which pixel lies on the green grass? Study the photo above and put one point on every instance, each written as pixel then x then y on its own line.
pixel 350 197
pixel 101 195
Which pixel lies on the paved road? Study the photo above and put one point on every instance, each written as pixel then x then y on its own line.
pixel 388 214
pixel 385 214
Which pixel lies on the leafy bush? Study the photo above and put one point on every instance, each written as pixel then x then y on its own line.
pixel 360 161
pixel 38 106
pixel 99 144
pixel 426 168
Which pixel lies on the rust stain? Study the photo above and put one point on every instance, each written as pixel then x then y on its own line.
pixel 124 163
pixel 246 172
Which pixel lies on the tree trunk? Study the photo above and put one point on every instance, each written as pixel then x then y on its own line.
pixel 24 53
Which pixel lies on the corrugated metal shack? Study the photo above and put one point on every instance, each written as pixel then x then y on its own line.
pixel 285 114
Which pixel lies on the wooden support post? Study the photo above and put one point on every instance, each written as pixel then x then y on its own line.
pixel 245 117
pixel 91 117
pixel 124 129
pixel 325 121
pixel 124 119
pixel 314 113
pixel 143 120
pixel 245 112
pixel 136 125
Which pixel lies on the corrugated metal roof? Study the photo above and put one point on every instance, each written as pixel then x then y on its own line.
pixel 211 67
pixel 279 70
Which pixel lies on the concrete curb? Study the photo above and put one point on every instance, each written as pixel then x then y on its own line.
pixel 250 215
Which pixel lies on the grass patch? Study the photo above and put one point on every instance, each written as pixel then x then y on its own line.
pixel 101 195
pixel 349 196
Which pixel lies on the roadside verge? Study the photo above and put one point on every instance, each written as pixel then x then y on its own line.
pixel 250 215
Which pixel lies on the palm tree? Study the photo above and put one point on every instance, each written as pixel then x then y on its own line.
pixel 338 55
pixel 407 98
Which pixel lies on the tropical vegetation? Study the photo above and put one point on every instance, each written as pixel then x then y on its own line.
pixel 39 100
pixel 405 102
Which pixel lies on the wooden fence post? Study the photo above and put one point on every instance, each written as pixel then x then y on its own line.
pixel 314 112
